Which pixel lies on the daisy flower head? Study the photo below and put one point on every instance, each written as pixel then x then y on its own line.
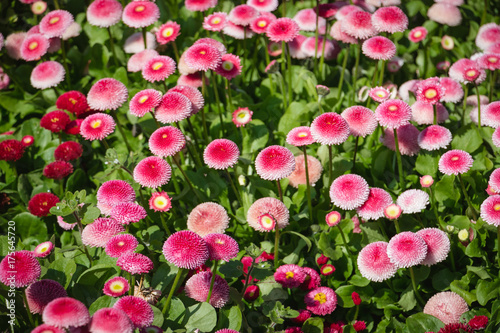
pixel 447 306
pixel 202 57
pixel 393 113
pixel 331 48
pixel 393 211
pixel 55 23
pixel 11 150
pixel 467 71
pixel 116 191
pixel 358 24
pixel 438 245
pixel 200 5
pixel 34 47
pixel 330 129
pixel 489 61
pixel 215 22
pixel 166 141
pixel 390 19
pixel 97 126
pixel 140 14
pixel 99 232
pixel 491 114
pixel 374 206
pixel 193 94
pixel 447 43
pixel 490 210
pixel 274 163
pixel 333 218
pixel 191 80
pixel 423 113
pixel 321 301
pixel 266 214
pixel 289 276
pixel 434 137
pixel 173 108
pixel 221 247
pixel 138 310
pixel 221 154
pixel 379 48
pixel 430 91
pixel 73 101
pixel 282 30
pixel 55 121
pixel 168 32
pixel 260 23
pixel 47 74
pixel 104 13
pixel 160 202
pixel 426 181
pixel 494 180
pixel 413 201
pixel 306 19
pixel 198 287
pixel 152 172
pixel 42 292
pixel 417 34
pixel 128 212
pixel 243 15
pixel 116 287
pixel 144 101
pixel 242 116
pixel 185 249
pixel 445 13
pixel 349 191
pixel 13 43
pixel 158 68
pixel 298 176
pixel 453 91
pixel 66 312
pixel 230 66
pixel 44 328
pixel 121 244
pixel 237 31
pixel 488 35
pixel 379 94
pixel 110 319
pixel 136 61
pixel 312 280
pixel 107 94
pixel 208 218
pixel 300 136
pixel 406 249
pixel 58 170
pixel 19 269
pixel 41 203
pixel 264 5
pixel 27 141
pixel 38 7
pixel 455 162
pixel 135 263
pixel 337 33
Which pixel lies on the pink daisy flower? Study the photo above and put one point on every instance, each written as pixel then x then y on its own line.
pixel 393 113
pixel 466 71
pixel 472 100
pixel 417 34
pixel 107 320
pixel 65 312
pixel 306 19
pixel 158 68
pixel 135 263
pixel 152 172
pixel 453 91
pixel 361 120
pixel 298 176
pixel 43 249
pixel 379 48
pixel 496 137
pixel 282 29
pixel 28 140
pixel 455 162
pixel 333 218
pixel 64 225
pixel 144 101
pixel 308 48
pixel 447 43
pixel 98 233
pixel 198 286
pixel 430 91
pixel 337 34
pixel 242 116
pixel 265 209
pixel 413 201
pixel 290 276
pixel 185 249
pixel 447 306
pixel 260 23
pixel 13 44
pixel 373 208
pixel 488 35
pixel 494 180
pixel 107 94
pixel 392 211
pixel 55 23
pixel 113 192
pixel 215 22
pixel 104 13
pixel 34 46
pixel 374 264
pixel 379 94
pixel 202 57
pixel 300 136
pixel 136 61
pixel 434 137
pixel 44 328
pixel 321 301
pixel 489 61
pixel 191 80
pixel 264 5
pixel 490 114
pixel 121 244
pixel 55 121
pixel 58 170
pixel 200 5
pixel 438 245
pixel 312 280
pixel 221 154
pixel 116 287
pixel 406 249
pixel 19 269
pixel 490 210
pixel 128 212
pixel 237 31
pixel 140 14
pixel 426 181
pixel 208 218
pixel 221 247
pixel 358 24
pixel 349 191
pixel 97 126
pixel 295 46
pixel 423 113
pixel 168 32
pixel 445 13
pixel 330 129
pixel 166 141
pixel 212 42
pixel 230 67
pixel 173 108
pixel 138 310
pixel 41 293
pixel 274 163
pixel 390 19
pixel 47 74
pixel 160 202
pixel 243 15
pixel 193 94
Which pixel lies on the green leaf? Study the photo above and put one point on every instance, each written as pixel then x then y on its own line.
pixel 272 291
pixel 61 270
pixel 408 301
pixel 30 228
pixel 474 249
pixel 487 290
pixel 256 138
pixel 304 238
pixel 422 323
pixel 101 303
pixel 230 318
pixel 163 276
pixel 121 75
pixel 460 288
pixel 24 188
pixel 201 316
pixel 445 191
pixel 158 317
pixel 313 325
pixel 467 138
pixel 96 274
pixel 427 164
pixel 91 214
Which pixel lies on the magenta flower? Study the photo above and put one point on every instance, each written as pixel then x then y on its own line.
pixel 445 13
pixel 290 276
pixel 488 35
pixel 47 74
pixel 55 23
pixel 107 94
pixel 99 232
pixel 358 24
pixel 230 67
pixel 406 249
pixel 260 23
pixel 41 293
pixel 200 5
pixel 215 22
pixel 166 141
pixel 97 126
pixel 65 312
pixel 221 247
pixel 423 113
pixel 455 162
pixel 438 245
pixel 490 210
pixel 168 32
pixel 136 61
pixel 208 218
pixel 43 249
pixel 264 5
pixel 379 48
pixel 107 320
pixel 265 210
pixel 193 94
pixel 330 129
pixel 185 249
pixel 135 263
pixel 160 202
pixel 104 13
pixel 121 244
pixel 393 113
pixel 116 287
pixel 361 120
pixel 198 286
pixel 158 68
pixel 138 310
pixel 68 151
pixel 374 206
pixel 243 15
pixel 140 14
pixel 374 264
pixel 389 19
pixel 283 29
pixel 152 172
pixel 467 71
pixel 349 191
pixel 221 154
pixel 417 34
pixel 242 116
pixel 321 301
pixel 202 57
pixel 34 46
pixel 434 137
pixel 144 101
pixel 173 108
pixel 274 163
pixel 19 269
pixel 298 176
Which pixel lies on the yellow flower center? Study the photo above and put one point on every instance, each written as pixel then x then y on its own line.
pixel 493 60
pixel 220 241
pixel 143 99
pixel 33 45
pixel 430 93
pixel 216 20
pixel 418 34
pixel 54 120
pixel 320 297
pixel 393 108
pixel 140 8
pixel 168 32
pixel 327 269
pixel 160 202
pixel 203 52
pixel 72 100
pixel 164 136
pixel 496 207
pixel 241 115
pixel 261 23
pixel 116 286
pixel 43 249
pixel 96 123
pixel 121 243
pixel 157 65
pixel 471 73
pixel 54 20
pixel 227 65
pixel 380 94
pixel 333 218
pixel 302 134
pixel 454 158
pixel 289 275
pixel 267 222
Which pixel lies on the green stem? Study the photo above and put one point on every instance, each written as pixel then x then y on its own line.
pixel 322 60
pixel 229 95
pixel 132 284
pixel 176 51
pixel 400 163
pixel 478 108
pixel 355 152
pixel 214 273
pixel 56 4
pixel 30 316
pixel 469 203
pixel 330 158
pixel 120 128
pixel 493 79
pixel 344 65
pixel 112 46
pixel 204 92
pixel 283 66
pixel 435 114
pixel 319 105
pixel 187 179
pixel 80 229
pixel 426 55
pixel 414 284
pixel 345 243
pixel 276 229
pixel 145 39
pixel 309 201
pixel 268 60
pixel 65 63
pixel 382 69
pixel 217 101
pixel 355 75
pixel 485 10
pixel 195 156
pixel 283 92
pixel 236 192
pixel 396 224
pixel 289 60
pixel 356 313
pixel 164 224
pixel 154 118
pixel 464 106
pixel 166 307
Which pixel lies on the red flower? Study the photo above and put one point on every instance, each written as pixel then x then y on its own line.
pixel 359 326
pixel 41 203
pixel 58 170
pixel 355 298
pixel 11 150
pixel 68 151
pixel 251 293
pixel 478 322
pixel 73 101
pixel 55 121
pixel 322 260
